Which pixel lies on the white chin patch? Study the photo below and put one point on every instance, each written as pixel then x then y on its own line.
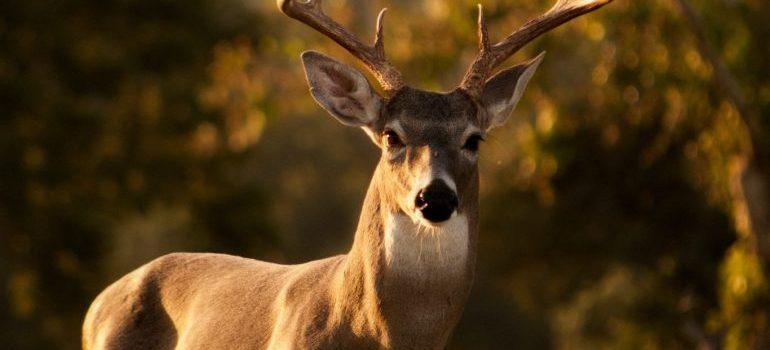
pixel 417 250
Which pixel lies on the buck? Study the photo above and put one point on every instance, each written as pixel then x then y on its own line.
pixel 404 282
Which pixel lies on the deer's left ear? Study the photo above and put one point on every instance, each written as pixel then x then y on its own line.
pixel 504 90
pixel 343 91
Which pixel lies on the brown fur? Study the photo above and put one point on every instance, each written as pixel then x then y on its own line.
pixel 382 294
pixel 213 301
pixel 402 285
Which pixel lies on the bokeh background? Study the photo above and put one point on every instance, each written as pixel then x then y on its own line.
pixel 624 206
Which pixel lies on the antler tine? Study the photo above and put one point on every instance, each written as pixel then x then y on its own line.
pixel 310 13
pixel 483 32
pixel 379 41
pixel 489 57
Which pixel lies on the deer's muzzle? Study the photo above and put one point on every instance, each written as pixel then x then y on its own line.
pixel 437 202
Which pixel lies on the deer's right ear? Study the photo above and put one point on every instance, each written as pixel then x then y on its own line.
pixel 504 90
pixel 343 91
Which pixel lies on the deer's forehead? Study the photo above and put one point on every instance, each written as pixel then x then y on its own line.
pixel 431 131
pixel 432 114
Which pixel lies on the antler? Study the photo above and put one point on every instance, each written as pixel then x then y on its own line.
pixel 490 56
pixel 310 13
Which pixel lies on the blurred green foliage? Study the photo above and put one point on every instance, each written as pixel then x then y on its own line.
pixel 133 128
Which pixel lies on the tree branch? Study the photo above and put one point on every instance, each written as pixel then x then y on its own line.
pixel 727 83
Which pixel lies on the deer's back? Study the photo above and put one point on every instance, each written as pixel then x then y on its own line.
pixel 188 300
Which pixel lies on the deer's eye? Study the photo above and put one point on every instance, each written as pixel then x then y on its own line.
pixel 392 139
pixel 472 143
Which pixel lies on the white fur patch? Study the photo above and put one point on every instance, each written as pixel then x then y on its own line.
pixel 421 251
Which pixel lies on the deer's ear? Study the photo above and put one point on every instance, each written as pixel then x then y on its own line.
pixel 504 90
pixel 343 91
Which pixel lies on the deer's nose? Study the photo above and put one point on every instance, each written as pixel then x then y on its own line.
pixel 436 202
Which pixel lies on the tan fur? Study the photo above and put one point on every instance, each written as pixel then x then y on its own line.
pixel 361 300
pixel 402 285
pixel 405 281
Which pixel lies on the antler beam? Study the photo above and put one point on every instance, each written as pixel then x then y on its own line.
pixel 310 13
pixel 491 56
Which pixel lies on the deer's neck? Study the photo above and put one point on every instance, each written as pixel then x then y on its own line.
pixel 408 282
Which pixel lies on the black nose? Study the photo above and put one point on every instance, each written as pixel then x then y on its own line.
pixel 437 202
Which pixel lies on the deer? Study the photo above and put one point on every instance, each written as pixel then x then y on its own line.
pixel 405 281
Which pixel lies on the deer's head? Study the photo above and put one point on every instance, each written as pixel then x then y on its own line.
pixel 429 140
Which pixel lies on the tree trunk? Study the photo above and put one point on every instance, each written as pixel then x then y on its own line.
pixel 750 180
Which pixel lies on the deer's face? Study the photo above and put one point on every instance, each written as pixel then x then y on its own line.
pixel 429 141
pixel 430 144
